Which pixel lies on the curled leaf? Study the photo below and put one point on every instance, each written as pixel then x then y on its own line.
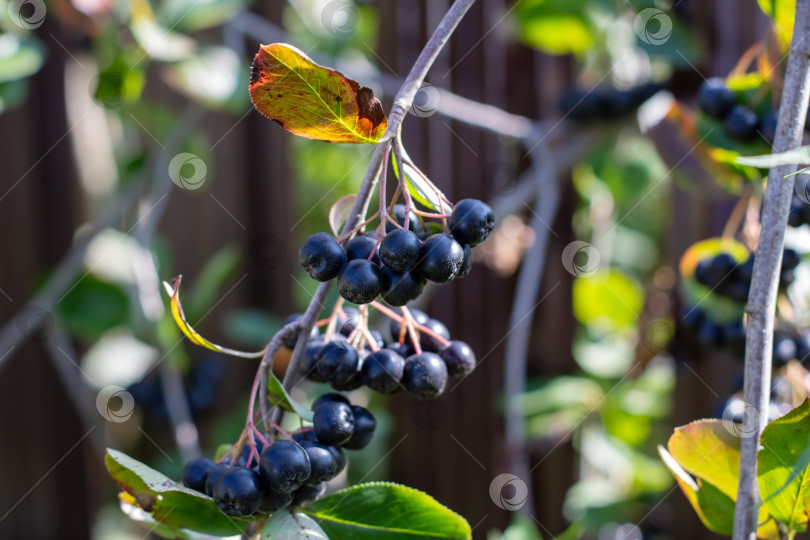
pixel 424 192
pixel 279 397
pixel 313 101
pixel 173 290
pixel 340 212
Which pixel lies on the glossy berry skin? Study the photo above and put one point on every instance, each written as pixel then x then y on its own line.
pixel 430 343
pixel 466 263
pixel 790 259
pixel 440 259
pixel 703 274
pixel 382 371
pixel 404 349
pixel 399 250
pixel 330 397
pixel 741 123
pixel 304 435
pixel 340 458
pixel 284 466
pixel 471 221
pixel 238 492
pixel 399 288
pixel 399 216
pixel 347 321
pixel 195 472
pixel 721 267
pixel 418 315
pixel 715 99
pixel 273 501
pixel 307 493
pixel 360 281
pixel 321 461
pixel 362 247
pixel 379 340
pixel 425 375
pixel 784 350
pixel 333 423
pixel 337 362
pixel 309 366
pixel 459 358
pixel 212 477
pixel 322 257
pixel 364 426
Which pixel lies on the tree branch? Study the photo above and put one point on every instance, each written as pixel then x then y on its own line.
pixel 402 103
pixel 765 281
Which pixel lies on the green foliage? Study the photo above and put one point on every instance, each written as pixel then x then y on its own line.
pixel 92 307
pixel 556 26
pixel 608 301
pixel 293 525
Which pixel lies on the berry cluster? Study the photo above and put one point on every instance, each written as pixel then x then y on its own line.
pixel 290 471
pixel 581 105
pixel 727 277
pixel 739 122
pixel 395 262
pixel 421 367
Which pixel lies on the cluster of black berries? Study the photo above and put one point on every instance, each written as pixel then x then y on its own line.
pixel 739 122
pixel 799 212
pixel 405 258
pixel 726 277
pixel 289 472
pixel 395 365
pixel 580 105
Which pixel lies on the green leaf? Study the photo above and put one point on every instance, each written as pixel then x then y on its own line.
pixel 797 156
pixel 212 278
pixel 609 300
pixel 782 12
pixel 312 101
pixel 92 307
pixel 19 58
pixel 783 469
pixel 423 192
pixel 292 525
pixel 212 76
pixel 556 26
pixel 174 506
pixel 706 449
pixel 278 396
pixel 190 15
pixel 383 511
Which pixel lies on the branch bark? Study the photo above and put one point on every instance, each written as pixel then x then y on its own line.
pixel 402 103
pixel 762 296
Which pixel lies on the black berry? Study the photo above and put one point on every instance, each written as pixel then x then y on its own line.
pixel 382 371
pixel 399 288
pixel 321 461
pixel 337 362
pixel 430 343
pixel 333 423
pixel 364 426
pixel 309 366
pixel 273 501
pixel 361 247
pixel 440 259
pixel 741 123
pixel 459 358
pixel 329 398
pixel 715 99
pixel 784 349
pixel 284 466
pixel 322 257
pixel 212 477
pixel 238 492
pixel 424 375
pixel 466 263
pixel 195 472
pixel 360 281
pixel 292 339
pixel 399 250
pixel 767 126
pixel 418 315
pixel 307 493
pixel 398 213
pixel 471 221
pixel 790 259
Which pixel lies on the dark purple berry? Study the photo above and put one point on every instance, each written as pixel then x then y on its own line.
pixel 195 472
pixel 466 264
pixel 364 426
pixel 337 362
pixel 399 288
pixel 440 259
pixel 430 343
pixel 425 375
pixel 284 466
pixel 459 358
pixel 273 501
pixel 238 492
pixel 333 423
pixel 322 257
pixel 399 250
pixel 321 461
pixel 715 99
pixel 307 493
pixel 212 477
pixel 360 281
pixel 361 247
pixel 471 221
pixel 382 371
pixel 741 123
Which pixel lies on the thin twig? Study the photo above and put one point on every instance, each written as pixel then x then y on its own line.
pixel 765 281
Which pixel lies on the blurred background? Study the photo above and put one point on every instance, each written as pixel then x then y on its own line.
pixel 131 153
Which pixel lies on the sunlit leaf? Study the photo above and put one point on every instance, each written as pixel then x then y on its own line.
pixel 555 26
pixel 313 101
pixel 797 156
pixel 782 12
pixel 609 300
pixel 173 505
pixel 197 14
pixel 340 212
pixel 173 290
pixel 292 525
pixel 382 511
pixel 783 469
pixel 428 196
pixel 708 450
